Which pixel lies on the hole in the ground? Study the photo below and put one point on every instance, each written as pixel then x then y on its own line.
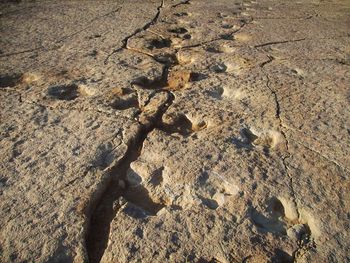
pixel 210 203
pixel 269 223
pixel 159 43
pixel 276 208
pixel 199 126
pixel 63 92
pixel 179 124
pixel 227 26
pixel 181 14
pixel 213 50
pixel 168 59
pixel 196 76
pixel 103 210
pixel 157 176
pixel 226 36
pixel 118 91
pixel 95 36
pixel 10 80
pixel 187 36
pixel 245 140
pixel 216 92
pixel 147 83
pixel 92 53
pixel 203 260
pixel 178 30
pixel 219 68
pixel 124 104
pixel 282 257
pixel 272 220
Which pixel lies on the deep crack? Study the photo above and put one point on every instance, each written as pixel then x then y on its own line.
pixel 105 210
pixel 107 205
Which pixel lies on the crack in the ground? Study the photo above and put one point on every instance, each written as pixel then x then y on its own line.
pixel 138 30
pixel 333 161
pixel 300 244
pixel 274 94
pixel 285 18
pixel 118 187
pixel 279 42
pixel 23 51
pixel 107 206
pixel 217 38
pixel 154 57
pixel 278 116
pixel 111 193
pixel 297 40
pixel 186 2
pixel 336 163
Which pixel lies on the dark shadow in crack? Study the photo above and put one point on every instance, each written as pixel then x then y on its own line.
pixel 181 125
pixel 124 104
pixel 104 210
pixel 282 256
pixel 146 83
pixel 139 196
pixel 159 43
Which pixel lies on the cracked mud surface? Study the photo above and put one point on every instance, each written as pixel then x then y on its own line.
pixel 174 131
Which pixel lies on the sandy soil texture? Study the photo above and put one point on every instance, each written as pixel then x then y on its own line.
pixel 175 131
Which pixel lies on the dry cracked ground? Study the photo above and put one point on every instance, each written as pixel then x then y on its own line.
pixel 175 131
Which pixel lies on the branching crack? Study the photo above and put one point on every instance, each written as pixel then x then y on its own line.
pixel 108 203
pixel 309 243
pixel 110 193
pixel 217 38
pixel 278 116
pixel 138 30
pixel 104 210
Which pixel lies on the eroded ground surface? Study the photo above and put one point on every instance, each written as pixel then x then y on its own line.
pixel 193 131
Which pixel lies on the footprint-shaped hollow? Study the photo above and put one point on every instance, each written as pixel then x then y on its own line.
pixel 9 80
pixel 63 92
pixel 124 104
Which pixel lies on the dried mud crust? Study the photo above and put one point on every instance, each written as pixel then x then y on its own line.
pixel 200 131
